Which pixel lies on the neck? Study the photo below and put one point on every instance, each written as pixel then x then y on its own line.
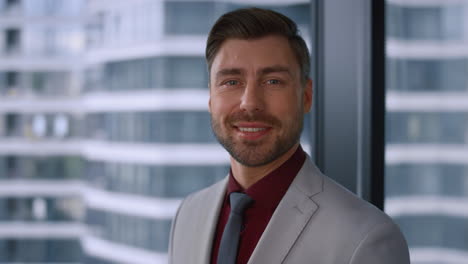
pixel 247 176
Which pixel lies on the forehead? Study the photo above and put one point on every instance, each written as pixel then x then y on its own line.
pixel 253 54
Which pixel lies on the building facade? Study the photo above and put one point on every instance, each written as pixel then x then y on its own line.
pixel 41 213
pixel 104 125
pixel 427 127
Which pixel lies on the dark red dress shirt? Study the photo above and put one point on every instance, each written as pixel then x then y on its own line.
pixel 267 193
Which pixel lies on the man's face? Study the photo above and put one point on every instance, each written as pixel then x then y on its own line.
pixel 257 99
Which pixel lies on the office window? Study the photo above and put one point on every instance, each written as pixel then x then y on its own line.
pixel 152 234
pixel 10 6
pixel 11 79
pixel 51 8
pixel 426 183
pixel 10 83
pixel 41 209
pixel 156 127
pixel 37 167
pixel 40 250
pixel 430 75
pixel 435 127
pixel 168 72
pixel 161 181
pixel 88 53
pixel 180 17
pixel 12 124
pixel 426 22
pixel 12 41
pixel 60 40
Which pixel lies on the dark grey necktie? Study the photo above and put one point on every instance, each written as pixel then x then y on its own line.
pixel 227 253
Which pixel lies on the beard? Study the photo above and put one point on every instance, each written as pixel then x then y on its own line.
pixel 264 151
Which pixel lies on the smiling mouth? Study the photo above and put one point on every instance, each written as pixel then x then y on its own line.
pixel 251 129
pixel 252 132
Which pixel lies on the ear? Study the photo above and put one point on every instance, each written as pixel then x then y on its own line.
pixel 209 105
pixel 209 99
pixel 308 96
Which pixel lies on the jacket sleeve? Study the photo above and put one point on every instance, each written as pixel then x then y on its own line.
pixel 383 244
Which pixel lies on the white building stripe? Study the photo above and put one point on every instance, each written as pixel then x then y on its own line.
pixel 135 153
pixel 18 146
pixel 159 100
pixel 438 255
pixel 158 154
pixel 426 153
pixel 426 102
pixel 257 2
pixel 42 188
pixel 26 63
pixel 93 246
pixel 426 3
pixel 128 204
pixel 121 203
pixel 49 230
pixel 121 253
pixel 412 49
pixel 426 205
pixel 144 100
pixel 166 46
pixel 138 153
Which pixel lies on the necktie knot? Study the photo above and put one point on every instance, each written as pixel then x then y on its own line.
pixel 239 202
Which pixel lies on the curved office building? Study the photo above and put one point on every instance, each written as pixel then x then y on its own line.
pixel 104 125
pixel 427 127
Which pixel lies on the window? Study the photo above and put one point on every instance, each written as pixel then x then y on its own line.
pixel 155 73
pixel 11 7
pixel 426 179
pixel 180 17
pixel 12 41
pixel 129 51
pixel 12 124
pixel 12 82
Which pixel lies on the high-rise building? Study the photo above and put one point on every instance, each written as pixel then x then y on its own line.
pixel 427 127
pixel 148 84
pixel 41 213
pixel 104 125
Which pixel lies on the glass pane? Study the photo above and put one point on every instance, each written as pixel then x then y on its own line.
pixel 426 184
pixel 105 127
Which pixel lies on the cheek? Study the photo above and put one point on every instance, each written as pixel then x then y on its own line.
pixel 283 103
pixel 221 106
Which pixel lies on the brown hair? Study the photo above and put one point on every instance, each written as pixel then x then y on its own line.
pixel 252 23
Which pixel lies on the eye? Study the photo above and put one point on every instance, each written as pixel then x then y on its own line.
pixel 231 82
pixel 273 81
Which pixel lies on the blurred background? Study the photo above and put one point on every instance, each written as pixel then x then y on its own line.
pixel 104 126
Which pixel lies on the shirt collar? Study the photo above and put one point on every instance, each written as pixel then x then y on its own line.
pixel 269 190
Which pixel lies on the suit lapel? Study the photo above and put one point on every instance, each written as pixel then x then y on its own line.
pixel 290 217
pixel 206 226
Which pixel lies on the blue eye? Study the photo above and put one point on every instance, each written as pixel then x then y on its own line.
pixel 273 81
pixel 231 82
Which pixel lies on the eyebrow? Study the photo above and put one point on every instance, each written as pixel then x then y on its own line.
pixel 262 71
pixel 229 71
pixel 274 69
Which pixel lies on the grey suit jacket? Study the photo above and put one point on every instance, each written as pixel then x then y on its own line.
pixel 317 221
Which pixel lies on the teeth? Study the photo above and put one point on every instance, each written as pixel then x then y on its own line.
pixel 251 129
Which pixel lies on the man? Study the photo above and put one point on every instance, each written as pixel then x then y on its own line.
pixel 274 206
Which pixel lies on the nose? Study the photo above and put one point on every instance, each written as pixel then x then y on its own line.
pixel 252 98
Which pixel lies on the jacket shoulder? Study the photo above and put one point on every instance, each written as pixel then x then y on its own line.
pixel 362 232
pixel 193 225
pixel 200 197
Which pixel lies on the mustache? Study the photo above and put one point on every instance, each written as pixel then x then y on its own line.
pixel 253 117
